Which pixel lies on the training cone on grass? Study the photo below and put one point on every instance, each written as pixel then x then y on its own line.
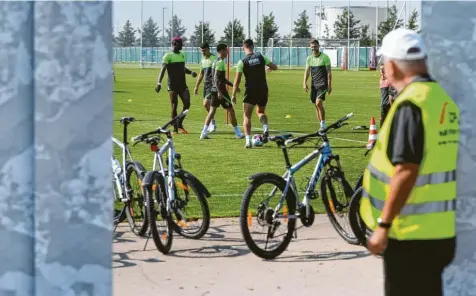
pixel 372 133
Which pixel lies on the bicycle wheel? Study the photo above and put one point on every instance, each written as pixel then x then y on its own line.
pixel 336 193
pixel 159 220
pixel 191 217
pixel 356 223
pixel 267 187
pixel 119 211
pixel 136 213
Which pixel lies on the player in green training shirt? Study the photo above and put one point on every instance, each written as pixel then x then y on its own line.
pixel 318 64
pixel 206 75
pixel 219 94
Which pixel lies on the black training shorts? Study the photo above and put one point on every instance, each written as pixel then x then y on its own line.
pixel 207 92
pixel 221 99
pixel 256 97
pixel 318 93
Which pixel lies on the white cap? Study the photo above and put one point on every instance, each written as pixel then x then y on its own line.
pixel 403 44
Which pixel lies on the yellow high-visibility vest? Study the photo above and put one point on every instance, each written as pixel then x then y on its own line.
pixel 429 212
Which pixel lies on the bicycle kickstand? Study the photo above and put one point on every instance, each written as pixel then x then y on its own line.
pixel 295 233
pixel 148 237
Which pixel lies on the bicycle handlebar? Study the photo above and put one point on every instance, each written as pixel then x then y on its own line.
pixel 339 123
pixel 160 130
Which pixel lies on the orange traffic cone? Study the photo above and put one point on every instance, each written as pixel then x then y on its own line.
pixel 372 133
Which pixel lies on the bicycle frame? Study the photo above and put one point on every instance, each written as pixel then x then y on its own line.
pixel 169 181
pixel 125 153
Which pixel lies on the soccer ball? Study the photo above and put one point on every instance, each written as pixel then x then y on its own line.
pixel 257 140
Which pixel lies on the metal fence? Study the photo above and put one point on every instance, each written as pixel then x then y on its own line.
pixel 282 56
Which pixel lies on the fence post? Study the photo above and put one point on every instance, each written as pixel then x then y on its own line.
pixel 448 31
pixel 73 128
pixel 16 149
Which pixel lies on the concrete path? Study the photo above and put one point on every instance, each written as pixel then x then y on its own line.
pixel 318 262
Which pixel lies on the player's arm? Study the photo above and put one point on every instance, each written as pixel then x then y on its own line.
pixel 239 73
pixel 307 71
pixel 165 63
pixel 199 79
pixel 188 71
pixel 327 63
pixel 270 65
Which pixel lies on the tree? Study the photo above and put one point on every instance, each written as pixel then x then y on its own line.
pixel 150 36
pixel 365 39
pixel 179 30
pixel 302 26
pixel 327 32
pixel 270 30
pixel 127 36
pixel 387 25
pixel 413 20
pixel 238 33
pixel 340 26
pixel 208 34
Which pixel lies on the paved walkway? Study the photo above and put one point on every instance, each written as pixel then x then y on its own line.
pixel 318 262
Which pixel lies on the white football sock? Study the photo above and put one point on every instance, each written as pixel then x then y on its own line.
pixel 265 127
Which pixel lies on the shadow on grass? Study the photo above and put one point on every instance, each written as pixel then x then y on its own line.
pixel 121 91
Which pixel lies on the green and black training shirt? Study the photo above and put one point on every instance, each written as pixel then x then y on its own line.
pixel 253 67
pixel 318 66
pixel 175 63
pixel 219 76
pixel 206 70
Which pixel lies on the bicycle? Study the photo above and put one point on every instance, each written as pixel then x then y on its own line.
pixel 361 232
pixel 267 216
pixel 131 200
pixel 162 193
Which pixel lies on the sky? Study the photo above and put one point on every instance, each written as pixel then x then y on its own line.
pixel 219 13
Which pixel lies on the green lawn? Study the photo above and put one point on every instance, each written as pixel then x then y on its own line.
pixel 223 164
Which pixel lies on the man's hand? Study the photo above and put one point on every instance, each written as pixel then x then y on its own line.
pixel 194 74
pixel 268 69
pixel 158 87
pixel 195 90
pixel 379 241
pixel 329 90
pixel 304 86
pixel 233 100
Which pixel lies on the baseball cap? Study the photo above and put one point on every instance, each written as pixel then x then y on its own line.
pixel 403 44
pixel 177 39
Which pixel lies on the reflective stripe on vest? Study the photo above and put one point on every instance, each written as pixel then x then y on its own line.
pixel 415 209
pixel 422 180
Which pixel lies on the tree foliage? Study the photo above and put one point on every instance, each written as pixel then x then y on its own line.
pixel 126 37
pixel 238 33
pixel 387 25
pixel 413 20
pixel 150 35
pixel 302 26
pixel 365 39
pixel 327 33
pixel 208 34
pixel 270 30
pixel 179 30
pixel 340 25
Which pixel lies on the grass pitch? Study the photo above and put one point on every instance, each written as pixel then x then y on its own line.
pixel 222 163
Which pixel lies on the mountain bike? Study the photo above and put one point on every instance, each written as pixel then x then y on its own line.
pixel 127 179
pixel 176 199
pixel 361 232
pixel 288 207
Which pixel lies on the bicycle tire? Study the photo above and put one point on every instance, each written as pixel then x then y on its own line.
pixel 139 170
pixel 359 182
pixel 159 196
pixel 119 216
pixel 291 204
pixel 356 223
pixel 186 181
pixel 326 184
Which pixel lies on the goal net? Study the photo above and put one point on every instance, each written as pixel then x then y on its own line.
pixel 291 53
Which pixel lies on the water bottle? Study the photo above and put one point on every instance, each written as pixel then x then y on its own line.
pixel 116 167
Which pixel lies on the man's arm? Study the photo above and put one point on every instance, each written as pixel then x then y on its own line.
pixel 199 80
pixel 329 75
pixel 162 73
pixel 307 71
pixel 239 72
pixel 270 65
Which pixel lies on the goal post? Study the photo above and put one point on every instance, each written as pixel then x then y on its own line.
pixel 291 53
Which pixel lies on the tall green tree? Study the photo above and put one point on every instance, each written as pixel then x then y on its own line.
pixel 150 35
pixel 238 33
pixel 327 33
pixel 302 26
pixel 413 20
pixel 340 25
pixel 387 25
pixel 126 37
pixel 365 39
pixel 179 30
pixel 270 30
pixel 208 34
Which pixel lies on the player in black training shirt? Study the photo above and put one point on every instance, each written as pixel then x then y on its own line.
pixel 253 66
pixel 174 63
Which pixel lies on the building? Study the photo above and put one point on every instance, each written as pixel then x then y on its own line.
pixel 366 14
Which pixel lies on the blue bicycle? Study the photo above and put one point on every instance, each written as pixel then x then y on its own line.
pixel 279 220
